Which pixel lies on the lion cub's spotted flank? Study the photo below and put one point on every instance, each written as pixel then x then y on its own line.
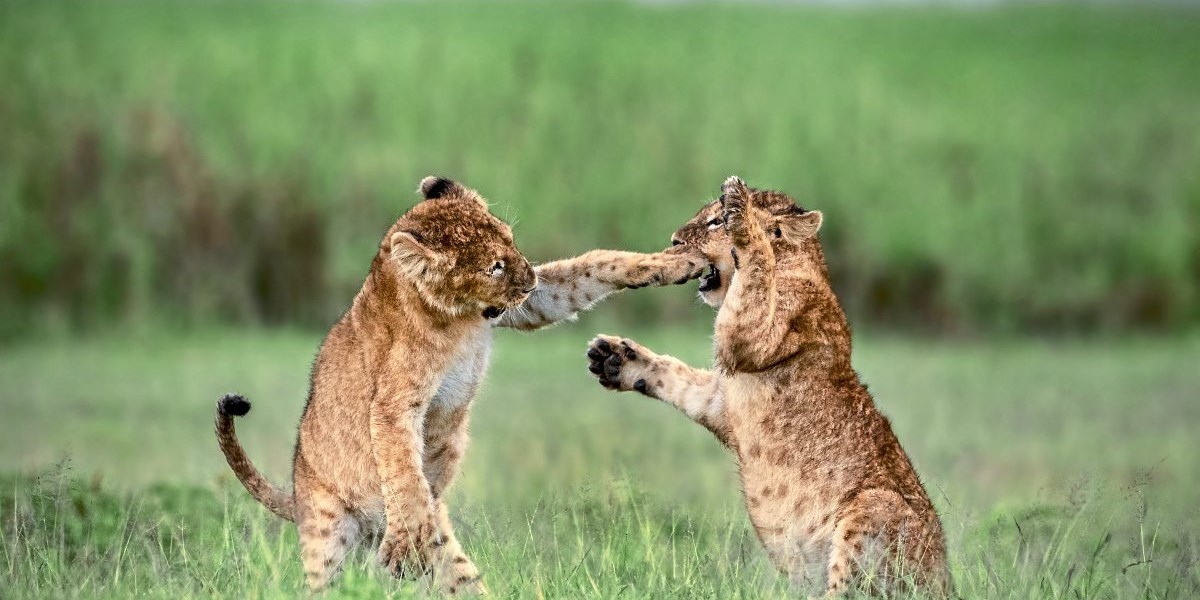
pixel 831 493
pixel 385 426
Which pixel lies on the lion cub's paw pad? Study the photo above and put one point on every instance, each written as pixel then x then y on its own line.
pixel 607 356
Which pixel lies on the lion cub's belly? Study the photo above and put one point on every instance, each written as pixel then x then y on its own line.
pixel 796 527
pixel 793 517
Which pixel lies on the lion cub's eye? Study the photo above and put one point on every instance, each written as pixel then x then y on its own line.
pixel 715 222
pixel 497 269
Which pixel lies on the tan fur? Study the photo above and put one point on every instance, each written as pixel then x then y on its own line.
pixel 566 287
pixel 830 491
pixel 385 426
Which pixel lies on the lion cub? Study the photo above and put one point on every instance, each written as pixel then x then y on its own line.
pixel 830 492
pixel 385 426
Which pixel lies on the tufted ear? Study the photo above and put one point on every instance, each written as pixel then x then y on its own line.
pixel 411 256
pixel 801 226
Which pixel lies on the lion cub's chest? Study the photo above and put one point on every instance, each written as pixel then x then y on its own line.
pixel 461 381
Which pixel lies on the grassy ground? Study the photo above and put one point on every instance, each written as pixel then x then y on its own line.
pixel 1005 167
pixel 1062 470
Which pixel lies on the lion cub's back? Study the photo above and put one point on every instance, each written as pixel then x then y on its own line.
pixel 335 438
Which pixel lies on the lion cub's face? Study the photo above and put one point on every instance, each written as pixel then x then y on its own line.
pixel 784 222
pixel 461 256
pixel 706 233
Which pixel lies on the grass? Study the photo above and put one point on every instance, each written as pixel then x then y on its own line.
pixel 1061 470
pixel 1002 168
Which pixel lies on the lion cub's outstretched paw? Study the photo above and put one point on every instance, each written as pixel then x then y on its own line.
pixel 735 201
pixel 620 364
pixel 672 266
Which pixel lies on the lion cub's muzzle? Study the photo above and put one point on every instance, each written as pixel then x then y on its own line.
pixel 493 312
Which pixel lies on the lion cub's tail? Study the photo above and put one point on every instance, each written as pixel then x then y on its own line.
pixel 274 498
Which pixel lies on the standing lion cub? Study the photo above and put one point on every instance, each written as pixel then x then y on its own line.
pixel 830 491
pixel 385 426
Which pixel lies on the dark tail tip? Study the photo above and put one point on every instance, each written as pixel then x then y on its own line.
pixel 233 405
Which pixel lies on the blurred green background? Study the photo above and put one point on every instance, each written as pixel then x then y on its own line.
pixel 1005 169
pixel 190 192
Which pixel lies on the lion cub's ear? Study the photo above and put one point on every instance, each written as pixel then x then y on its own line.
pixel 432 188
pixel 800 227
pixel 412 257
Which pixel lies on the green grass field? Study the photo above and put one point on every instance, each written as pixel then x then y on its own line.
pixel 1062 470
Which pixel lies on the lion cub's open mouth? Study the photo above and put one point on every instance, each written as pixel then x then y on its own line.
pixel 710 280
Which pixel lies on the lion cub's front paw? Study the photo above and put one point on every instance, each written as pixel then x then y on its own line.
pixel 404 556
pixel 735 200
pixel 460 577
pixel 618 363
pixel 683 264
pixel 674 266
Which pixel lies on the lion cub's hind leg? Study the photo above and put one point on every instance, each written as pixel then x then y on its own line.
pixel 877 546
pixel 328 531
